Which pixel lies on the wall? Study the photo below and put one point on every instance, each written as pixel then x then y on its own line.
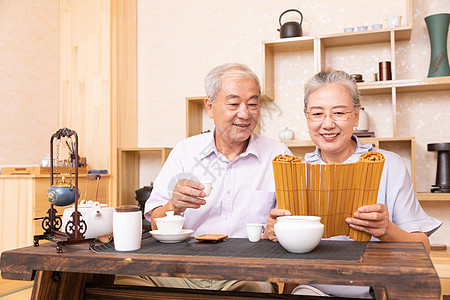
pixel 29 43
pixel 179 42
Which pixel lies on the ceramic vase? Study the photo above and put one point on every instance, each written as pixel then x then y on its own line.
pixel 363 124
pixel 437 30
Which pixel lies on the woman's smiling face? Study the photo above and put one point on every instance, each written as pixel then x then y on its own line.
pixel 331 136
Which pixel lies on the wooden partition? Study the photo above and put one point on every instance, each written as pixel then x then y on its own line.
pixel 98 78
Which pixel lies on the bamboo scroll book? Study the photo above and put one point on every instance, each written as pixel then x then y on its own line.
pixel 330 191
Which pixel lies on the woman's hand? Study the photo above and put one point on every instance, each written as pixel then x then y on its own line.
pixel 373 219
pixel 269 231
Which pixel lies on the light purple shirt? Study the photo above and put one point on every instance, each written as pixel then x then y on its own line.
pixel 396 191
pixel 243 190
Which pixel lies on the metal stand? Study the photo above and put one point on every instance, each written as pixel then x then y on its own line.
pixel 443 167
pixel 51 224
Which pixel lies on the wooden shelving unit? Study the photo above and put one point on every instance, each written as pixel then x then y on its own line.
pixel 306 43
pixel 433 197
pixel 318 46
pixel 405 86
pixel 365 37
pixel 129 171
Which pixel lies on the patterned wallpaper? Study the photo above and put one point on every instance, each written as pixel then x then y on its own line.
pixel 180 41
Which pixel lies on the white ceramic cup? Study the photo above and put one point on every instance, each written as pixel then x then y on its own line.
pixel 208 187
pixel 127 230
pixel 254 231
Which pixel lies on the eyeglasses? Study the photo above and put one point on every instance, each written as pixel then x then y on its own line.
pixel 319 116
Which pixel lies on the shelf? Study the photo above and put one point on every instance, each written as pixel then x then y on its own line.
pixel 128 170
pixel 305 43
pixel 405 86
pixel 317 46
pixel 340 39
pixel 365 37
pixel 194 118
pixel 291 44
pixel 433 196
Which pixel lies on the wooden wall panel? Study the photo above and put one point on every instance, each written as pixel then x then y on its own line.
pixel 98 78
pixel 16 212
pixel 124 82
pixel 85 81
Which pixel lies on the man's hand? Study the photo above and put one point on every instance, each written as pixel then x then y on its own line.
pixel 373 219
pixel 269 231
pixel 187 194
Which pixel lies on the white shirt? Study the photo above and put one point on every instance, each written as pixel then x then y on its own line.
pixel 243 190
pixel 396 191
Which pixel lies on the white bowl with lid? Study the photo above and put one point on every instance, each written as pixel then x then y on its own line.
pixel 170 223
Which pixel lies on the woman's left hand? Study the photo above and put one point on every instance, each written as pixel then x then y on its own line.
pixel 269 231
pixel 373 219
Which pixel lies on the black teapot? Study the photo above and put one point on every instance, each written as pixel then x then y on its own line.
pixel 291 29
pixel 143 194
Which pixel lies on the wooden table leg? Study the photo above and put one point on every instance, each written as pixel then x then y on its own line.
pixel 49 285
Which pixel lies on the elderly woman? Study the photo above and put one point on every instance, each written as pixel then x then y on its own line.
pixel 332 111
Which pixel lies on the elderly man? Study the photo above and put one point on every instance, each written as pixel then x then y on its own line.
pixel 236 161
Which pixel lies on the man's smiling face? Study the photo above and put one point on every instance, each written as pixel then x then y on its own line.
pixel 236 110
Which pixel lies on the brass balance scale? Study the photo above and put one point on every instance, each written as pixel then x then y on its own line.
pixel 63 194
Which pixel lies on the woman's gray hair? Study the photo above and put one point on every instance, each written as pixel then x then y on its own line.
pixel 213 81
pixel 333 77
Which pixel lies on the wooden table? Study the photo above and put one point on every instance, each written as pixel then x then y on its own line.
pixel 396 270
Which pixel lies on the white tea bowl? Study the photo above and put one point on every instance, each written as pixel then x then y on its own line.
pixel 299 234
pixel 170 223
pixel 362 28
pixel 349 29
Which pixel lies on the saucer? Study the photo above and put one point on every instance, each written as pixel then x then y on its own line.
pixel 172 237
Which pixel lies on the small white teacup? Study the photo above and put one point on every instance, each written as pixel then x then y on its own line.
pixel 208 187
pixel 254 231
